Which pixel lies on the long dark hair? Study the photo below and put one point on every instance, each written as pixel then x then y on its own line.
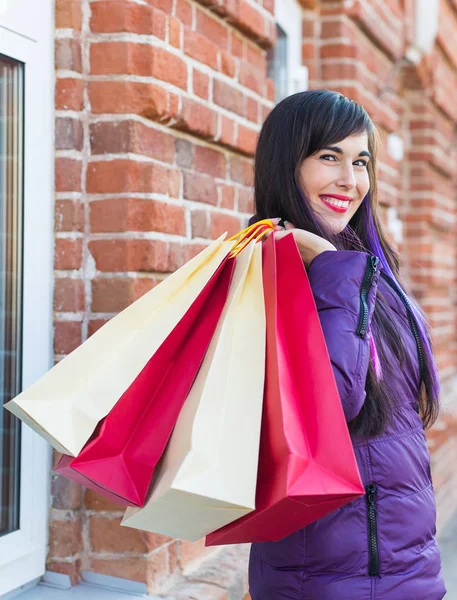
pixel 298 127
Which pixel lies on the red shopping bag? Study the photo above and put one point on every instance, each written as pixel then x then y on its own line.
pixel 307 466
pixel 119 460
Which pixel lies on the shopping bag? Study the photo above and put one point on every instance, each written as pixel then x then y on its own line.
pixel 207 475
pixel 67 403
pixel 120 458
pixel 307 466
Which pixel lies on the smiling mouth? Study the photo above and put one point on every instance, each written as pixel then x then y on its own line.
pixel 339 206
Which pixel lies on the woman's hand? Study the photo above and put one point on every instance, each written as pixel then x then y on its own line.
pixel 309 244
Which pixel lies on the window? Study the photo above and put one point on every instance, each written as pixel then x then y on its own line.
pixel 285 59
pixel 277 64
pixel 26 281
pixel 11 199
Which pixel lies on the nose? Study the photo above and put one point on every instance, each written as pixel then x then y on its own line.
pixel 346 177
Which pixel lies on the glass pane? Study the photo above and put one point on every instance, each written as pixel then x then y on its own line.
pixel 277 65
pixel 11 164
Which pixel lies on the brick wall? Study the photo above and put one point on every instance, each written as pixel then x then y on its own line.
pixel 158 105
pixel 158 108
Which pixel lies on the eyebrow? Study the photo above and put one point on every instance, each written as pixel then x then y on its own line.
pixel 339 150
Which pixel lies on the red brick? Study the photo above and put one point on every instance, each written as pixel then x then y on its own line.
pixel 68 14
pixel 339 51
pixel 93 326
pixel 111 137
pixel 257 58
pixel 69 215
pixel 251 78
pixel 72 569
pixel 107 535
pixel 119 16
pixel 113 295
pixel 67 336
pixel 199 47
pixel 190 552
pixel 174 183
pixel 69 94
pixel 252 22
pixel 136 569
pixel 117 176
pixel 69 134
pixel 68 175
pixel 252 109
pixel 136 214
pixel 212 29
pixel 237 45
pixel 174 32
pixel 228 64
pixel 111 58
pixel 163 5
pixel 331 71
pixel 92 500
pixel 65 538
pixel 212 162
pixel 68 254
pixel 184 153
pixel 246 201
pixel 130 255
pixel 241 170
pixel 184 12
pixel 117 97
pixel 221 223
pixel 68 54
pixel 153 570
pixel 200 223
pixel 270 89
pixel 228 97
pixel 227 197
pixel 197 118
pixel 69 295
pixel 66 493
pixel 227 137
pixel 200 84
pixel 247 140
pixel 200 188
pixel 183 253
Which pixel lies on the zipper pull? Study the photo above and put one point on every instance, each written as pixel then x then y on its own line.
pixel 371 495
pixel 374 266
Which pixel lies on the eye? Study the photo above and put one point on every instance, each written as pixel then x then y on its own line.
pixel 327 156
pixel 362 163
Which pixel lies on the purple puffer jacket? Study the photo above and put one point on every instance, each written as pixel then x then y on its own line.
pixel 381 546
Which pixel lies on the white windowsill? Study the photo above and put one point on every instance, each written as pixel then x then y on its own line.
pixel 83 590
pixel 56 586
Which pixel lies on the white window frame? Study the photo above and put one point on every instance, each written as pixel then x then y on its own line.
pixel 289 16
pixel 27 35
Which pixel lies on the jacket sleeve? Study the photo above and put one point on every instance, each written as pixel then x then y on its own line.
pixel 344 285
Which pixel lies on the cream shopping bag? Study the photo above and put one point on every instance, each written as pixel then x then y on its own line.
pixel 207 475
pixel 67 403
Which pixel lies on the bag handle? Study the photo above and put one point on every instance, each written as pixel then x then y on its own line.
pixel 256 232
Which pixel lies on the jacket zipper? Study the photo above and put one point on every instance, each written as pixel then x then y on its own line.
pixel 404 298
pixel 370 271
pixel 373 543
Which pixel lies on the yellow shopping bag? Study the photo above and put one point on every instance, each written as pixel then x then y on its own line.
pixel 67 403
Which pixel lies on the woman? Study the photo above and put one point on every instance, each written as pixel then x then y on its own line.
pixel 315 170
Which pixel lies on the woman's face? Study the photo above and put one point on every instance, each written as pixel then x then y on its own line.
pixel 336 180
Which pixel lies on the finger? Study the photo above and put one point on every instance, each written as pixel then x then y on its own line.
pixel 288 225
pixel 275 220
